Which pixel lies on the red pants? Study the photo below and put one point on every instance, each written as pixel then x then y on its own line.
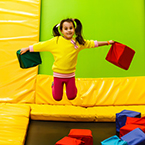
pixel 57 88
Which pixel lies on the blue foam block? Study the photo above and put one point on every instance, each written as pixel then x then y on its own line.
pixel 135 137
pixel 114 140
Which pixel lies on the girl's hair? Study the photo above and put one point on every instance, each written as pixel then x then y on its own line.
pixel 78 29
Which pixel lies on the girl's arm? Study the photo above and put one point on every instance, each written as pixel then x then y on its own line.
pixel 48 45
pixel 102 43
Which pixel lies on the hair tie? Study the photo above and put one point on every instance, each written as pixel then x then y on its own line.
pixel 108 42
pixel 57 25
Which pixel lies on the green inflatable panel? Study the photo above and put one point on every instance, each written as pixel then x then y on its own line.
pixel 122 21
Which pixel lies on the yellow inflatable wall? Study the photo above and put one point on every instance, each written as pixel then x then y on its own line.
pixel 19 27
pixel 95 91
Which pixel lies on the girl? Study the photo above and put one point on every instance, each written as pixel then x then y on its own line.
pixel 65 50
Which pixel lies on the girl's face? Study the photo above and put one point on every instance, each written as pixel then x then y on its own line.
pixel 68 30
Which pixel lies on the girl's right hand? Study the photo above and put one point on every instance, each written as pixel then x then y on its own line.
pixel 111 41
pixel 24 50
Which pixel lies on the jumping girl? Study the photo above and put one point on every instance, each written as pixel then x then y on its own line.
pixel 65 49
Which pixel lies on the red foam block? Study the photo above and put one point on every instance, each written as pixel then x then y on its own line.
pixel 129 127
pixel 120 55
pixel 133 120
pixel 83 134
pixel 69 141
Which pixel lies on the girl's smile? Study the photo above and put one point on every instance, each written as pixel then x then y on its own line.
pixel 68 30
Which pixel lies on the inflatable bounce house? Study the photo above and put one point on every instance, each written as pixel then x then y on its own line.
pixel 104 89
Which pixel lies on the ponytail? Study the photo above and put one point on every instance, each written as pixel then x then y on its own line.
pixel 55 31
pixel 78 32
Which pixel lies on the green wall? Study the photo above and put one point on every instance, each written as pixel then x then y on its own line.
pixel 119 20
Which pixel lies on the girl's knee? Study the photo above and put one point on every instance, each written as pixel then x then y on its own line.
pixel 71 96
pixel 56 96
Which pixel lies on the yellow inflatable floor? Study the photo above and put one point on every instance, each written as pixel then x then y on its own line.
pixel 14 121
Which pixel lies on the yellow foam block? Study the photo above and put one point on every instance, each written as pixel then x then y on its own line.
pixel 19 28
pixel 61 113
pixel 12 109
pixel 108 113
pixel 76 113
pixel 95 91
pixel 9 142
pixel 14 121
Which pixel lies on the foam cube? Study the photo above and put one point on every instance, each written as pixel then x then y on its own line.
pixel 133 120
pixel 69 141
pixel 135 137
pixel 114 140
pixel 120 55
pixel 121 117
pixel 28 59
pixel 129 127
pixel 83 134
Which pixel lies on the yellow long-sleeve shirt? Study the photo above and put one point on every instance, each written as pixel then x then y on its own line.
pixel 64 51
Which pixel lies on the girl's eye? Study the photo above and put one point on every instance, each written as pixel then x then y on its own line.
pixel 65 28
pixel 70 27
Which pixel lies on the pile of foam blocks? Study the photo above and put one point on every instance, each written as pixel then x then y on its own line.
pixel 130 129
